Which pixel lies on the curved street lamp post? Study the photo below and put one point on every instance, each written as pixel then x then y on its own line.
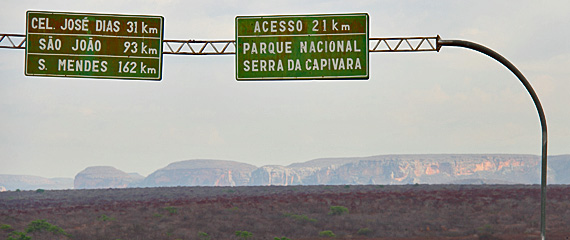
pixel 489 52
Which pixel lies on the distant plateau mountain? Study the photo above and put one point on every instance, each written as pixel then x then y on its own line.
pixel 26 182
pixel 381 169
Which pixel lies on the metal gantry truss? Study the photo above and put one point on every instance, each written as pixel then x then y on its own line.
pixel 199 47
pixel 224 47
pixel 17 41
pixel 403 44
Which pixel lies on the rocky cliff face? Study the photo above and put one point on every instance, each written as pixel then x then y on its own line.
pixel 201 173
pixel 432 169
pixel 103 177
pixel 276 175
pixel 404 169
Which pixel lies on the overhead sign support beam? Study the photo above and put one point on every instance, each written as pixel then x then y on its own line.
pixel 227 47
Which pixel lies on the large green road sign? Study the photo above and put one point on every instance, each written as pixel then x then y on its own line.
pixel 302 47
pixel 94 45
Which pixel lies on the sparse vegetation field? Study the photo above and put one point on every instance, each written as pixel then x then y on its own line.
pixel 293 212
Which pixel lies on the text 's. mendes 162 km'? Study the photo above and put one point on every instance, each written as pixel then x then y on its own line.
pixel 94 45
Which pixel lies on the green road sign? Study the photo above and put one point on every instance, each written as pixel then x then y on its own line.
pixel 94 45
pixel 302 47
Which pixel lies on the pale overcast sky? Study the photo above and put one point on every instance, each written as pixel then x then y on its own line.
pixel 454 101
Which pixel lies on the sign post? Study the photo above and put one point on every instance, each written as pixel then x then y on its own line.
pixel 94 45
pixel 302 47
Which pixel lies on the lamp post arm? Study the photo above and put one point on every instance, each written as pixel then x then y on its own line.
pixel 489 52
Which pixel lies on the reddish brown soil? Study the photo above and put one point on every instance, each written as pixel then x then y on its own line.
pixel 411 212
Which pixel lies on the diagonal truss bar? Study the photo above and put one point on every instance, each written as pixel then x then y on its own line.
pixel 403 44
pixel 225 47
pixel 199 47
pixel 17 41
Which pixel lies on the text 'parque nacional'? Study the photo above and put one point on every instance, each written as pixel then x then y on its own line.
pixel 302 47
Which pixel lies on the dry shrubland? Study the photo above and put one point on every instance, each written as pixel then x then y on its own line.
pixel 293 212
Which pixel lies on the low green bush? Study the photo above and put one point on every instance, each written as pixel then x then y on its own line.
pixel 364 231
pixel 18 236
pixel 301 218
pixel 6 227
pixel 36 226
pixel 327 233
pixel 203 236
pixel 171 210
pixel 105 218
pixel 338 210
pixel 43 225
pixel 244 235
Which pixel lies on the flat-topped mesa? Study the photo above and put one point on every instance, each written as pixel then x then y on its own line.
pixel 201 172
pixel 103 177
